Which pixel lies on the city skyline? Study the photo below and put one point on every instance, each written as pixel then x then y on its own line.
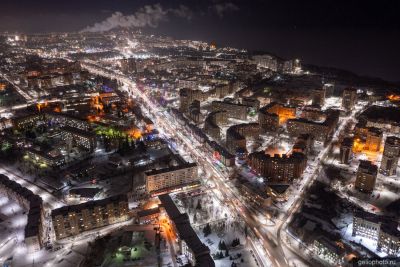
pixel 123 143
pixel 353 36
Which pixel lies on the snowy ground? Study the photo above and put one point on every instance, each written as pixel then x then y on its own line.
pixel 225 227
pixel 12 246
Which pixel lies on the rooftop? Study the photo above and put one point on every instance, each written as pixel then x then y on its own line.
pixel 384 114
pixel 186 232
pixel 170 169
pixel 89 205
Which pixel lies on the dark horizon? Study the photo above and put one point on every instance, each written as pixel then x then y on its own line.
pixel 359 37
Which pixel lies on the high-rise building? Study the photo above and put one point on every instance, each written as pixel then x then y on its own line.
pixel 266 61
pixel 194 111
pixel 313 113
pixel 389 239
pixel 366 176
pixel 318 97
pixel 220 153
pixel 278 168
pixel 346 150
pixel 213 122
pixel 366 225
pixel 390 157
pixel 236 136
pixel 349 98
pixel 329 89
pixel 273 115
pixel 374 139
pixel 304 144
pixel 187 96
pixel 236 111
pixel 128 65
pixel 321 131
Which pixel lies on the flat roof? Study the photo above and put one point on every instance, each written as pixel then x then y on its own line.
pixel 87 192
pixel 148 212
pixel 170 169
pixel 384 114
pixel 88 205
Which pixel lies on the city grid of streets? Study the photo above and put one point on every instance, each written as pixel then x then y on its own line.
pixel 274 235
pixel 268 246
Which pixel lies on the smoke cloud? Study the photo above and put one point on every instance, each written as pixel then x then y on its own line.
pixel 223 8
pixel 147 16
pixel 183 12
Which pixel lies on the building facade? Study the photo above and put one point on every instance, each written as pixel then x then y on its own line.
pixel 328 251
pixel 271 116
pixel 321 131
pixel 374 139
pixel 346 150
pixel 278 168
pixel 213 122
pixel 235 111
pixel 171 178
pixel 236 136
pixel 383 230
pixel 318 97
pixel 82 138
pixel 390 156
pixel 73 220
pixel 366 176
pixel 349 98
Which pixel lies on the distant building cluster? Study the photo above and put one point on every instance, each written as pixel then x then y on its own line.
pixel 46 75
pixel 270 62
pixel 220 90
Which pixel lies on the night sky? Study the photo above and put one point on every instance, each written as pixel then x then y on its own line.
pixel 361 36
